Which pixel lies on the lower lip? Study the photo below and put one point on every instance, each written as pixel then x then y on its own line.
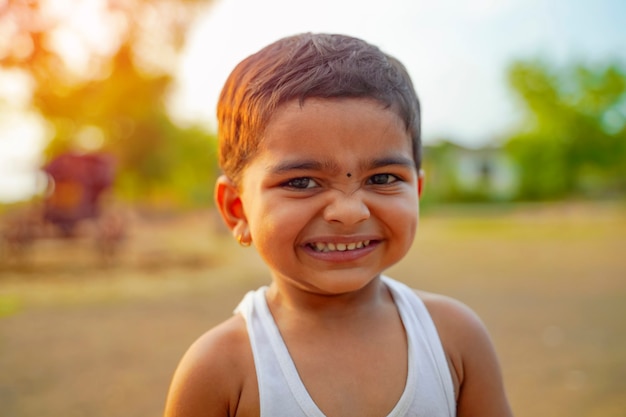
pixel 342 256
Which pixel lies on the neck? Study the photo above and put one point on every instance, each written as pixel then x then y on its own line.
pixel 289 301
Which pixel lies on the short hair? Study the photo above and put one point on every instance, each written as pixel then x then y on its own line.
pixel 307 66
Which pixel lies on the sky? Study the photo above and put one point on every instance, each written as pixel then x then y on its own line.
pixel 456 51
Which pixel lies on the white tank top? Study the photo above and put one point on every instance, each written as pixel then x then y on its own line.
pixel 428 392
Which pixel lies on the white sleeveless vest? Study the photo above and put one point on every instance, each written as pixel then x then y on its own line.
pixel 428 392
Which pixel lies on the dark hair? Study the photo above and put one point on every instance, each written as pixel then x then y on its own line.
pixel 305 66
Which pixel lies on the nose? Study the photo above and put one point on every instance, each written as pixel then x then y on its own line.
pixel 346 209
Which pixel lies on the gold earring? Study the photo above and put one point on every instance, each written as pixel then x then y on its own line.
pixel 244 243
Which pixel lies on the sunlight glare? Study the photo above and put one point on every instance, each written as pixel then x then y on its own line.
pixel 86 29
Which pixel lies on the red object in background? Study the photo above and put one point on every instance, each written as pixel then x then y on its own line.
pixel 76 184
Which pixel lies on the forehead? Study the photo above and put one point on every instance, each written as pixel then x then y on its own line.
pixel 335 126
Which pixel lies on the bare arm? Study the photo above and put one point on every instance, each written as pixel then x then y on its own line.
pixel 475 368
pixel 211 376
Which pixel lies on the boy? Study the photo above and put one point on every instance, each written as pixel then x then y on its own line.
pixel 320 148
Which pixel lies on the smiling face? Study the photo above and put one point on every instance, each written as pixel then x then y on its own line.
pixel 330 200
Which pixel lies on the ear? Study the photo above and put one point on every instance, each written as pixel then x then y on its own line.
pixel 228 202
pixel 420 182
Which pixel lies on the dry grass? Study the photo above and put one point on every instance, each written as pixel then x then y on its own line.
pixel 78 338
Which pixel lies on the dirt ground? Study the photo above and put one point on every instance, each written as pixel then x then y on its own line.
pixel 79 337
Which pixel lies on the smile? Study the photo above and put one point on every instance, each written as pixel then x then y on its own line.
pixel 338 247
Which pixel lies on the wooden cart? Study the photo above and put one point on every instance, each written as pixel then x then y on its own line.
pixel 76 186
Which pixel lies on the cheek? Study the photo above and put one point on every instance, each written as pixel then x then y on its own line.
pixel 410 227
pixel 270 221
pixel 406 218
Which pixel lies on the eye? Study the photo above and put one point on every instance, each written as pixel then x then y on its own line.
pixel 381 179
pixel 301 183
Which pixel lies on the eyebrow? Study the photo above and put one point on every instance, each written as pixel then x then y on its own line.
pixel 388 161
pixel 316 165
pixel 302 165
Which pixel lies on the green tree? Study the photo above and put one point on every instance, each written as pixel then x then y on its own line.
pixel 573 135
pixel 111 95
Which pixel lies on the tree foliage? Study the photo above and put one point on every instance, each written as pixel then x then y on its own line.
pixel 573 137
pixel 109 93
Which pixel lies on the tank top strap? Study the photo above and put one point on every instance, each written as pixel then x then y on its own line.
pixel 434 387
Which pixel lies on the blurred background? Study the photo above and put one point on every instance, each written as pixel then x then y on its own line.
pixel 112 259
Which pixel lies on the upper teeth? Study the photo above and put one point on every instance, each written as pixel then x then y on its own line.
pixel 341 247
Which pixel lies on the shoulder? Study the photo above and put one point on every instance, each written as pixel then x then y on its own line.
pixel 471 355
pixel 454 320
pixel 214 374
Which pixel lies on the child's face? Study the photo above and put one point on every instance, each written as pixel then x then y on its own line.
pixel 331 198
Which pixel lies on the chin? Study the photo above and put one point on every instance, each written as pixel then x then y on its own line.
pixel 342 283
